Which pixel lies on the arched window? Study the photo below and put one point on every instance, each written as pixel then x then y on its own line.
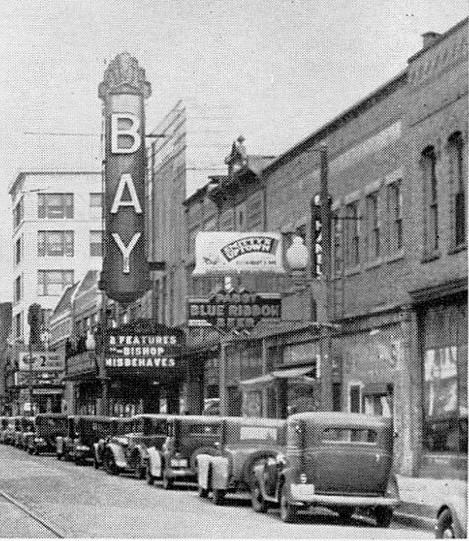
pixel 458 188
pixel 431 236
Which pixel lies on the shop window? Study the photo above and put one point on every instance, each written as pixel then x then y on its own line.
pixel 428 164
pixel 55 205
pixel 458 189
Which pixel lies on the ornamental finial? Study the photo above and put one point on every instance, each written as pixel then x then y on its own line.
pixel 124 76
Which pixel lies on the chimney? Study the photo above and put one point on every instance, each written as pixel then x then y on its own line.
pixel 429 38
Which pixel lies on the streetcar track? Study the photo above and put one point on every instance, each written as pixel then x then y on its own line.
pixel 43 522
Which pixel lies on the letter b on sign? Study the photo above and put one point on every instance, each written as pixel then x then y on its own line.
pixel 125 138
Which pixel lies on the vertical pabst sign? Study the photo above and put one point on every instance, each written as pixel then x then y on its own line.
pixel 123 91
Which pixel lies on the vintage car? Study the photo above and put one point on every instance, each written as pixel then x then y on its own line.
pixel 244 442
pixel 110 427
pixel 13 426
pixel 451 517
pixel 129 452
pixel 24 431
pixel 48 426
pixel 341 461
pixel 3 427
pixel 64 443
pixel 188 437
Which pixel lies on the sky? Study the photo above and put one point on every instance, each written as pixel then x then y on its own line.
pixel 285 66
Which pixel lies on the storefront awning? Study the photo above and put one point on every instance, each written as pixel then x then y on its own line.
pixel 377 388
pixel 287 373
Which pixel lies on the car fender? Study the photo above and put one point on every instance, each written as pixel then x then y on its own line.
pixel 220 466
pixel 459 530
pixel 59 444
pixel 259 476
pixel 155 462
pixel 204 463
pixel 118 454
pixel 251 463
pixel 194 458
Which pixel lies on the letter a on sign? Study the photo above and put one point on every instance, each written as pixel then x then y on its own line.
pixel 131 132
pixel 126 250
pixel 126 180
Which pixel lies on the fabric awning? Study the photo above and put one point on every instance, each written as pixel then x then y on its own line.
pixel 376 388
pixel 286 373
pixel 291 373
pixel 260 381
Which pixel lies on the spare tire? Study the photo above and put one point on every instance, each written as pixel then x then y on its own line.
pixel 247 473
pixel 212 451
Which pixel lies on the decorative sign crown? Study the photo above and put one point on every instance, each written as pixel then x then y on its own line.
pixel 124 75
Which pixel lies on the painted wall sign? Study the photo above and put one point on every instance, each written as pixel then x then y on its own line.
pixel 225 252
pixel 40 361
pixel 125 267
pixel 233 310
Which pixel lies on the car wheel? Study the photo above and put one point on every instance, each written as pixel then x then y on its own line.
pixel 59 456
pixel 218 496
pixel 95 464
pixel 257 500
pixel 30 450
pixel 149 476
pixel 444 526
pixel 287 510
pixel 345 513
pixel 202 492
pixel 111 466
pixel 383 516
pixel 167 482
pixel 141 472
pixel 36 452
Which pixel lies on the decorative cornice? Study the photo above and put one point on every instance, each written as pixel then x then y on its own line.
pixel 124 76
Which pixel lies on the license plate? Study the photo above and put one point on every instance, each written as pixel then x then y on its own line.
pixel 179 462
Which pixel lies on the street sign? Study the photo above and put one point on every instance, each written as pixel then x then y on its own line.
pixel 41 361
pixel 233 310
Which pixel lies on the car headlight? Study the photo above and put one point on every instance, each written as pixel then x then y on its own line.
pixel 82 448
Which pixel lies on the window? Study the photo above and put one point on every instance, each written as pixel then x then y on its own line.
pixel 431 200
pixel 96 200
pixel 55 243
pixel 18 325
pixel 458 184
pixel 18 250
pixel 352 221
pixel 53 282
pixel 18 288
pixel 18 213
pixel 395 216
pixel 55 205
pixel 96 243
pixel 355 399
pixel 337 243
pixel 372 218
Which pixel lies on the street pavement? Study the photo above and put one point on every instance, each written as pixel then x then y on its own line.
pixel 80 502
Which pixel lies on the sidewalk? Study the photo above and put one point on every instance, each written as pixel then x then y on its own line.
pixel 421 498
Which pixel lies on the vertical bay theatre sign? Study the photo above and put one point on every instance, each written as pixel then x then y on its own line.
pixel 125 266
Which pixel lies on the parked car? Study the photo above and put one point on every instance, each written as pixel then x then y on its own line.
pixel 64 443
pixel 342 461
pixel 3 426
pixel 452 516
pixel 129 452
pixel 110 426
pixel 244 442
pixel 24 431
pixel 188 437
pixel 48 426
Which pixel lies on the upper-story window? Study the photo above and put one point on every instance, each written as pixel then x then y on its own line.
pixel 96 243
pixel 55 205
pixel 18 213
pixel 352 242
pixel 431 237
pixel 19 325
pixel 395 215
pixel 18 288
pixel 96 205
pixel 53 282
pixel 55 244
pixel 458 189
pixel 18 250
pixel 373 225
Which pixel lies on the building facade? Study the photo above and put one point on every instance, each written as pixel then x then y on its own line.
pixel 57 238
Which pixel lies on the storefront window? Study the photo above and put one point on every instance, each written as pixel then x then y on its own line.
pixel 445 379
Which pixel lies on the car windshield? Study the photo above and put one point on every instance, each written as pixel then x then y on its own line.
pixel 45 424
pixel 154 427
pixel 349 435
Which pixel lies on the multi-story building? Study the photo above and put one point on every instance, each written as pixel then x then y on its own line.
pixel 57 238
pixel 5 353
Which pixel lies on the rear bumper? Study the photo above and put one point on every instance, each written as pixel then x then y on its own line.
pixel 181 473
pixel 304 493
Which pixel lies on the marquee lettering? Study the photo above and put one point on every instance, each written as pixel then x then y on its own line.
pixel 123 133
pixel 126 180
pixel 126 250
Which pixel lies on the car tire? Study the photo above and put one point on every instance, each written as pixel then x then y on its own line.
pixel 287 510
pixel 167 482
pixel 111 466
pixel 345 514
pixel 95 463
pixel 258 503
pixel 444 527
pixel 383 516
pixel 202 492
pixel 218 496
pixel 59 456
pixel 149 476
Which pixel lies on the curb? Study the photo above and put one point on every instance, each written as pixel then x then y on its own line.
pixel 416 521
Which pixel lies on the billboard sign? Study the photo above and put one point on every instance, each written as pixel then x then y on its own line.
pixel 225 252
pixel 125 267
pixel 233 310
pixel 41 361
pixel 143 353
pixel 24 379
